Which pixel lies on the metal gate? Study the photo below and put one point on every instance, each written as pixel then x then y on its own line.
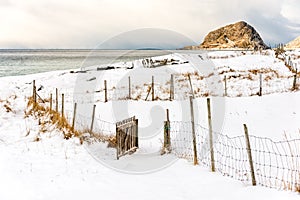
pixel 127 136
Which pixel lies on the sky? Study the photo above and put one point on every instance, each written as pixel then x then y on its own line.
pixel 99 23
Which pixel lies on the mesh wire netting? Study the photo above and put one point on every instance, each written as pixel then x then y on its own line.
pixel 238 83
pixel 276 164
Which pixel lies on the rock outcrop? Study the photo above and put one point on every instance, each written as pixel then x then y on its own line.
pixel 239 35
pixel 293 44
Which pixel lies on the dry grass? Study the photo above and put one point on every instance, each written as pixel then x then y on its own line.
pixel 47 118
pixel 267 78
pixel 111 140
pixel 7 107
pixel 7 104
pixel 230 70
pixel 138 97
pixel 220 57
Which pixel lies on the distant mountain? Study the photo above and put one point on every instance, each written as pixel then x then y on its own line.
pixel 238 35
pixel 293 44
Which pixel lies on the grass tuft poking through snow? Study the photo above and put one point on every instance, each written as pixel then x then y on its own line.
pixel 47 118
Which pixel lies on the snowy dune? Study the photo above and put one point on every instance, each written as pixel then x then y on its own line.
pixel 54 168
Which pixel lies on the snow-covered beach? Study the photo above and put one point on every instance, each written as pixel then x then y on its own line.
pixel 54 168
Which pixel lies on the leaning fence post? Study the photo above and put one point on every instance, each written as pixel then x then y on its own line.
pixel 129 88
pixel 93 117
pixel 193 131
pixel 172 88
pixel 62 104
pixel 74 116
pixel 249 155
pixel 148 92
pixel 56 99
pixel 212 157
pixel 152 86
pixel 260 85
pixel 105 91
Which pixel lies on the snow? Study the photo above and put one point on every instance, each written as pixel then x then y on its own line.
pixel 54 168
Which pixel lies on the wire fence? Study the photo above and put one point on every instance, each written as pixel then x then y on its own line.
pixel 276 164
pixel 83 123
pixel 231 84
pixel 83 120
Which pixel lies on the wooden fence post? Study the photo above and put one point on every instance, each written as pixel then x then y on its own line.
pixel 105 91
pixel 167 138
pixel 132 136
pixel 249 155
pixel 295 80
pixel 172 88
pixel 56 105
pixel 260 85
pixel 137 133
pixel 74 116
pixel 50 102
pixel 225 83
pixel 117 141
pixel 152 86
pixel 93 118
pixel 191 86
pixel 34 93
pixel 33 86
pixel 62 104
pixel 193 131
pixel 212 157
pixel 129 88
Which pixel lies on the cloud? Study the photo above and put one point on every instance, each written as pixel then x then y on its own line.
pixel 291 10
pixel 275 29
pixel 86 23
pixel 267 18
pixel 147 38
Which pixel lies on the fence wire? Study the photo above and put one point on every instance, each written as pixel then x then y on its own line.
pixel 238 83
pixel 276 164
pixel 83 124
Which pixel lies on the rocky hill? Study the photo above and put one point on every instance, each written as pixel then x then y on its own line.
pixel 293 44
pixel 238 35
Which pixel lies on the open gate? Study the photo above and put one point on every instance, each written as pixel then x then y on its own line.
pixel 127 136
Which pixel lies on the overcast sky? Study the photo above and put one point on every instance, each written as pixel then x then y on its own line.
pixel 88 23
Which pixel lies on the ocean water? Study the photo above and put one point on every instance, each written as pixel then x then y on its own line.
pixel 15 62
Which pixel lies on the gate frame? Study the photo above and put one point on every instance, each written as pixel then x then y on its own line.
pixel 127 134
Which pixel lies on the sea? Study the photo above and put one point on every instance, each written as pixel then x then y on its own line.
pixel 15 62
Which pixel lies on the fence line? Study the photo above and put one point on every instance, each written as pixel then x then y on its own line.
pixel 83 123
pixel 178 87
pixel 70 120
pixel 276 164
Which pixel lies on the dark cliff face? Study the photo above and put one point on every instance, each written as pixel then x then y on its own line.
pixel 238 35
